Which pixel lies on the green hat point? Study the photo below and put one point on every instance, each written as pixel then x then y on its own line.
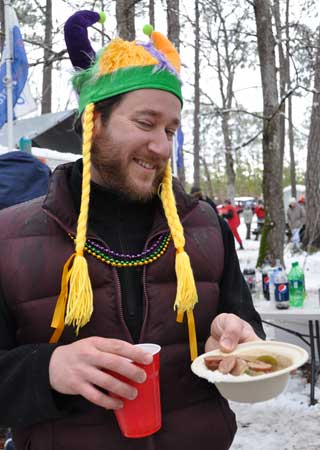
pixel 148 29
pixel 103 16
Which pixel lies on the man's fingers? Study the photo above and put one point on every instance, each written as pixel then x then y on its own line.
pixel 227 329
pixel 117 363
pixel 121 366
pixel 122 348
pixel 99 398
pixel 111 383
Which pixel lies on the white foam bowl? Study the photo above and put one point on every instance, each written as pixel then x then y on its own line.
pixel 251 389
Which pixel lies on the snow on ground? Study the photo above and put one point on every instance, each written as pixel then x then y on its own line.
pixel 286 422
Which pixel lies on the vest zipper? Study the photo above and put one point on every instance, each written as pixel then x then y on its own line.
pixel 119 300
pixel 144 276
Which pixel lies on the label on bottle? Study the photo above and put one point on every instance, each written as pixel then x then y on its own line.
pixel 265 286
pixel 282 295
pixel 251 281
pixel 297 284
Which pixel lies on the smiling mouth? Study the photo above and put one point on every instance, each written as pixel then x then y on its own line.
pixel 144 164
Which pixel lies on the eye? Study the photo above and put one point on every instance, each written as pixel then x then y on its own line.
pixel 170 133
pixel 144 124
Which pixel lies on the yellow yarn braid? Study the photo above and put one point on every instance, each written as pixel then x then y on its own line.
pixel 186 296
pixel 76 292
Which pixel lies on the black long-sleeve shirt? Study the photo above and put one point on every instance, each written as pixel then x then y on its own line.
pixel 25 393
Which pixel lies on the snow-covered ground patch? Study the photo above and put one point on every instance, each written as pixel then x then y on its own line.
pixel 286 422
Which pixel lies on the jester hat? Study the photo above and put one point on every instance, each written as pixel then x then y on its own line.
pixel 119 68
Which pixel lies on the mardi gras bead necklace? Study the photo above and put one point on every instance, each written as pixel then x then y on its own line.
pixel 116 259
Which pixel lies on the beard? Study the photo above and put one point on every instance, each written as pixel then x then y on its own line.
pixel 112 172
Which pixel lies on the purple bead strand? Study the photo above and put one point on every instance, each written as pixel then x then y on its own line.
pixel 125 256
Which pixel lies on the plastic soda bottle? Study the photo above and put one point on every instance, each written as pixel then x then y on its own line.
pixel 265 281
pixel 281 289
pixel 272 274
pixel 296 285
pixel 249 274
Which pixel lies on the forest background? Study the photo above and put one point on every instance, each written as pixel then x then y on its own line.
pixel 251 82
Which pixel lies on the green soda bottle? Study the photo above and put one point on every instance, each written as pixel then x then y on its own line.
pixel 296 285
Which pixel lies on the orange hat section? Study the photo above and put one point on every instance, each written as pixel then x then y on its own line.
pixel 120 54
pixel 167 48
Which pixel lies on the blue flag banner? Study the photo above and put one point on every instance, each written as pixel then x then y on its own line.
pixel 22 100
pixel 179 145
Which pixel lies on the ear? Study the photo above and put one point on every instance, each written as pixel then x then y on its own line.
pixel 97 123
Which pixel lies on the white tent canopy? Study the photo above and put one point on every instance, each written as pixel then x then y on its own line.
pixel 52 130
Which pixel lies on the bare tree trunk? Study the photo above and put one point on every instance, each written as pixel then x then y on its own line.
pixel 291 150
pixel 231 176
pixel 272 175
pixel 312 231
pixel 283 77
pixel 196 116
pixel 225 69
pixel 290 121
pixel 173 22
pixel 208 177
pixel 47 66
pixel 125 12
pixel 151 12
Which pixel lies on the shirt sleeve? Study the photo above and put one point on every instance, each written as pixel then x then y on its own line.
pixel 228 214
pixel 26 396
pixel 235 296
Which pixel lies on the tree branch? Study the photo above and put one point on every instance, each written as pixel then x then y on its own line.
pixel 244 144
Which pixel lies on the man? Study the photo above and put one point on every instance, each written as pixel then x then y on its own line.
pixel 259 211
pixel 133 262
pixel 196 192
pixel 229 213
pixel 247 217
pixel 296 220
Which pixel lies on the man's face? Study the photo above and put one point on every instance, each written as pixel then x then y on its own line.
pixel 130 152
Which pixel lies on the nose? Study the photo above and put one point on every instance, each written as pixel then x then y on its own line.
pixel 159 144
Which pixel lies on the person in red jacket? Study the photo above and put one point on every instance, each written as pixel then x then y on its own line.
pixel 259 211
pixel 230 214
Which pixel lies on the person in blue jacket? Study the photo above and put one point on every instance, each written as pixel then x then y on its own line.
pixel 22 177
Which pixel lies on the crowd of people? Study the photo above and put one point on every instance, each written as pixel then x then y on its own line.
pixel 295 218
pixel 231 214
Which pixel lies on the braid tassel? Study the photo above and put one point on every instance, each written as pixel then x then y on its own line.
pixel 76 295
pixel 59 311
pixel 80 298
pixel 186 296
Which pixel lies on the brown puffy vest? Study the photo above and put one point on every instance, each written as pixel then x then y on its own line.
pixel 35 248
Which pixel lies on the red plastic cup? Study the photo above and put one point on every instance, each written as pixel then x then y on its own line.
pixel 142 416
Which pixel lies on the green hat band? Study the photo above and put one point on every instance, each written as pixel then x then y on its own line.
pixel 124 80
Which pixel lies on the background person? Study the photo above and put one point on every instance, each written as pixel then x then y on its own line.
pixel 301 202
pixel 247 217
pixel 134 253
pixel 229 213
pixel 196 192
pixel 296 220
pixel 259 211
pixel 22 177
